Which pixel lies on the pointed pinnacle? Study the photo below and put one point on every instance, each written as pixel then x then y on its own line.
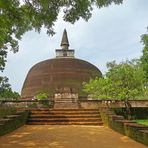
pixel 64 42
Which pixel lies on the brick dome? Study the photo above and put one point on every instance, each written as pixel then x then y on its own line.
pixel 63 74
pixel 54 74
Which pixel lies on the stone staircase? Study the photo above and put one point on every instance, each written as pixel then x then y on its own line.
pixel 65 103
pixel 64 117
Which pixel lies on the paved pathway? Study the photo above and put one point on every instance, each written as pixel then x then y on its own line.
pixel 58 136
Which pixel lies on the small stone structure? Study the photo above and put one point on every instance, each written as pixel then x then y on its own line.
pixel 66 93
pixel 66 98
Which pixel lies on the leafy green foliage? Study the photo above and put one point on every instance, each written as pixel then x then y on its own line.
pixel 144 122
pixel 99 87
pixel 20 16
pixel 123 81
pixel 41 96
pixel 6 91
pixel 127 79
pixel 144 58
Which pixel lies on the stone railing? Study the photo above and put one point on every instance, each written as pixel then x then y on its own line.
pixel 83 103
pixel 111 103
pixel 28 103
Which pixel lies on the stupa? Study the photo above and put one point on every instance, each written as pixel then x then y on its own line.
pixel 61 76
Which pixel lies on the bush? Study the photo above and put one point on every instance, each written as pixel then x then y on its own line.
pixel 41 96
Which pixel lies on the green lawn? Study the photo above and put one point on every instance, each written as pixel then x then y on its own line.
pixel 144 122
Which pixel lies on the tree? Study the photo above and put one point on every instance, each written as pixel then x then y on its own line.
pixel 20 16
pixel 98 88
pixel 6 91
pixel 123 81
pixel 4 83
pixel 127 79
pixel 144 57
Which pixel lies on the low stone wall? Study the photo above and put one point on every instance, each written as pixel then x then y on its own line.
pixel 94 104
pixel 83 103
pixel 126 127
pixel 46 103
pixel 12 122
pixel 4 111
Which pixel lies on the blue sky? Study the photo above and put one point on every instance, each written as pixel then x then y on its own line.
pixel 112 33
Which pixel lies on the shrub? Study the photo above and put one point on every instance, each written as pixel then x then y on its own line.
pixel 41 96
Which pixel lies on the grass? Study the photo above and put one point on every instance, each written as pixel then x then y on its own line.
pixel 144 122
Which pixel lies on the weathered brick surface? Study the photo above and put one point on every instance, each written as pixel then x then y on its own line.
pixel 54 74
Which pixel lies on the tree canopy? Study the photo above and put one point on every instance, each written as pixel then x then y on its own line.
pixel 6 91
pixel 123 81
pixel 144 57
pixel 20 16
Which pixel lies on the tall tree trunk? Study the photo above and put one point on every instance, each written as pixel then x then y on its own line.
pixel 128 109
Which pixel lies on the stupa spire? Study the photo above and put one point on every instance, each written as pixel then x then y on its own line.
pixel 64 52
pixel 65 42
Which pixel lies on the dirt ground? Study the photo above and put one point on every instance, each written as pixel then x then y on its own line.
pixel 66 136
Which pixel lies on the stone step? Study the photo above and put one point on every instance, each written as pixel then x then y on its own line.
pixel 63 119
pixel 48 109
pixel 65 111
pixel 66 123
pixel 3 120
pixel 65 99
pixel 65 116
pixel 62 105
pixel 68 100
pixel 13 116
